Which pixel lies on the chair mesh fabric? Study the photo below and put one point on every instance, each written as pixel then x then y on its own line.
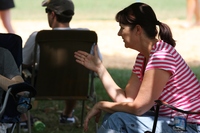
pixel 13 43
pixel 59 75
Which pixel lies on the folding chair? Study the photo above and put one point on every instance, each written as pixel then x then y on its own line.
pixel 59 76
pixel 163 103
pixel 13 43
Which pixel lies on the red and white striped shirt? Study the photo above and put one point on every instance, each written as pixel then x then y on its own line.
pixel 183 88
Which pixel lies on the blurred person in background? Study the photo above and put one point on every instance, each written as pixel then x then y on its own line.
pixel 192 14
pixel 5 14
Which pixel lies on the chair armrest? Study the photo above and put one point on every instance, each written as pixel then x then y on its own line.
pixel 14 89
pixel 20 87
pixel 160 102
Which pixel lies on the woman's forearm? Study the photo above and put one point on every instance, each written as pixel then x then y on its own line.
pixel 114 91
pixel 111 107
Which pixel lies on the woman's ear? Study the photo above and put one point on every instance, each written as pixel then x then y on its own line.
pixel 138 29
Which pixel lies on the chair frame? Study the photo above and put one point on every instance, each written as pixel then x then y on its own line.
pixel 163 103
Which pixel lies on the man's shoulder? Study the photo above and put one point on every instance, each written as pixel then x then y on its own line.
pixel 4 53
pixel 3 50
pixel 79 29
pixel 68 28
pixel 34 33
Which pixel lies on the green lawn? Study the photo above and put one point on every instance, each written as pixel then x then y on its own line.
pixel 99 9
pixel 48 111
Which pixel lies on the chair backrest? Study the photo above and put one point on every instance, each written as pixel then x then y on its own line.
pixel 13 43
pixel 59 75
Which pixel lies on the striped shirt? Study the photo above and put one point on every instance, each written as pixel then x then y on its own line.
pixel 183 88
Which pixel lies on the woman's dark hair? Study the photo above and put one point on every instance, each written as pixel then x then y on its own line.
pixel 65 17
pixel 143 15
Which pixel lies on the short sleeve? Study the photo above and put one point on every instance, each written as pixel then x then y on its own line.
pixel 162 60
pixel 10 68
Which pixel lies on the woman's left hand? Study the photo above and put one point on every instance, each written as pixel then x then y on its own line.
pixel 96 112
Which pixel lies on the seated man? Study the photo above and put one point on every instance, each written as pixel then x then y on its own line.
pixel 59 14
pixel 9 73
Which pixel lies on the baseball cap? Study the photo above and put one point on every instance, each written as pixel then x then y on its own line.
pixel 60 6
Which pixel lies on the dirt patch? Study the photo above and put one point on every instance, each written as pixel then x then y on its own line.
pixel 111 45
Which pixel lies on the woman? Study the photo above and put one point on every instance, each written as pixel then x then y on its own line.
pixel 158 73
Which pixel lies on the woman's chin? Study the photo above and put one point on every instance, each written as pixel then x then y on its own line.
pixel 125 46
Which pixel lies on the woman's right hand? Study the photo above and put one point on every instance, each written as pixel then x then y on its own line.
pixel 90 61
pixel 94 112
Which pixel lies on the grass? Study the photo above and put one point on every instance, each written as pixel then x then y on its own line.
pixel 196 70
pixel 48 111
pixel 99 9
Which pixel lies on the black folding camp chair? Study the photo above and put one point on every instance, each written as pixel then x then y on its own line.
pixel 59 76
pixel 8 109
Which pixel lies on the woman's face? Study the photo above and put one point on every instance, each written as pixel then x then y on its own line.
pixel 127 35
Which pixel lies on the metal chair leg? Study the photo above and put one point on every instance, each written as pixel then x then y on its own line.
pixel 29 121
pixel 97 127
pixel 156 118
pixel 12 129
pixel 82 113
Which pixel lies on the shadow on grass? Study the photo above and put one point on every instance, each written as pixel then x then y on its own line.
pixel 48 111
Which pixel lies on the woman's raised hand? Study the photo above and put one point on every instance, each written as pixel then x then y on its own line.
pixel 90 61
